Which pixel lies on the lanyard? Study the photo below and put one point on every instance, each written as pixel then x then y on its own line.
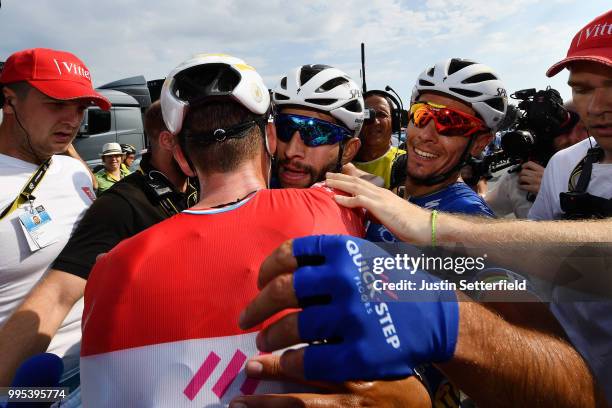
pixel 26 192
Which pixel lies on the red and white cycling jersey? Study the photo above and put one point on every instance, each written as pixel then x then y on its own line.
pixel 161 309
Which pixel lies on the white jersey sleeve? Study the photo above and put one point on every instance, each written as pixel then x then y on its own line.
pixel 542 208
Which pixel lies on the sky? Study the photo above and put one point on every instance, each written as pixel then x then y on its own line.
pixel 519 39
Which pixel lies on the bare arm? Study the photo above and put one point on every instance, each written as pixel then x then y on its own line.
pixel 31 327
pixel 475 230
pixel 500 364
pixel 413 224
pixel 496 362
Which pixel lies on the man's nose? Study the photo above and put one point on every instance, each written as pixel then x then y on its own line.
pixel 73 115
pixel 428 133
pixel 295 146
pixel 600 102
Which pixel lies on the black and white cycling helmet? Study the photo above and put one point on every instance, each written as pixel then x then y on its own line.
pixel 323 88
pixel 473 83
pixel 128 148
pixel 205 77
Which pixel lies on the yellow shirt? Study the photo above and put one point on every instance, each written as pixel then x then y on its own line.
pixel 106 180
pixel 381 167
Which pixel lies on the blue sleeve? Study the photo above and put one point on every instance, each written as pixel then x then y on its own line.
pixel 470 206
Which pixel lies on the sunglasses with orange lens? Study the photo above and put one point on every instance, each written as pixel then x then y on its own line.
pixel 448 121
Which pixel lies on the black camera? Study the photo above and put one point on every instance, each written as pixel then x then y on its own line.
pixel 527 132
pixel 542 119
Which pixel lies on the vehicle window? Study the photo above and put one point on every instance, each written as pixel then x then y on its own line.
pixel 97 121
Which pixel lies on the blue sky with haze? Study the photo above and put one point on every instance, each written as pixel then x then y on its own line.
pixel 520 39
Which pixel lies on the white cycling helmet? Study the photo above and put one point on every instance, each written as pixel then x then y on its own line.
pixel 211 76
pixel 323 88
pixel 473 83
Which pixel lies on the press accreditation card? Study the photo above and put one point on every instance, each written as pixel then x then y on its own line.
pixel 38 228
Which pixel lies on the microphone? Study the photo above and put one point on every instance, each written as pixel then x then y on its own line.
pixel 41 370
pixel 388 88
pixel 400 115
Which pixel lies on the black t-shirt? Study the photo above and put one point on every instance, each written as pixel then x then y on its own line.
pixel 126 209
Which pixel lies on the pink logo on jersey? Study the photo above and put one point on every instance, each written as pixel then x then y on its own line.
pixel 225 380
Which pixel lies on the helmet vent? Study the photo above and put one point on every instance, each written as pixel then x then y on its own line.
pixel 474 79
pixel 331 84
pixel 496 103
pixel 422 82
pixel 323 102
pixel 280 97
pixel 283 83
pixel 466 92
pixel 431 72
pixel 457 64
pixel 206 80
pixel 308 71
pixel 353 106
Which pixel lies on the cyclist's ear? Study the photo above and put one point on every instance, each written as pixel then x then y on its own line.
pixel 351 147
pixel 480 142
pixel 270 139
pixel 182 161
pixel 166 140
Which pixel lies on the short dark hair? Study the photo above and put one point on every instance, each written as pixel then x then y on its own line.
pixel 380 95
pixel 154 122
pixel 227 155
pixel 21 89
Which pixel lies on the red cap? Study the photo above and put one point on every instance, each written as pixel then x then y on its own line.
pixel 57 74
pixel 592 43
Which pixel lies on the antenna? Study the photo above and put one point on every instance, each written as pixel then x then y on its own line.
pixel 363 76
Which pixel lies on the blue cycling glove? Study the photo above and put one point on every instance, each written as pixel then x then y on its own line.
pixel 359 332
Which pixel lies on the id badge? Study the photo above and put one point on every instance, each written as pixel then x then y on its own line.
pixel 38 228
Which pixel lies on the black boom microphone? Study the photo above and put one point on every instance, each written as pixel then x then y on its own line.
pixel 388 88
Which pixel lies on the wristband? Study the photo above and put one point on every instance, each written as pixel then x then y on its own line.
pixel 434 219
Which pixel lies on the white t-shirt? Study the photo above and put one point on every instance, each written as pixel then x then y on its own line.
pixel 507 198
pixel 556 176
pixel 65 192
pixel 588 324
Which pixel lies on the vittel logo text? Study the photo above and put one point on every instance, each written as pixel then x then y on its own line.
pixel 597 30
pixel 71 68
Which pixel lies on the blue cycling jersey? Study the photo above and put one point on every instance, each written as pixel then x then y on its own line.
pixel 456 198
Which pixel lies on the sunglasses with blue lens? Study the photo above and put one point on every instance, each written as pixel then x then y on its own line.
pixel 314 132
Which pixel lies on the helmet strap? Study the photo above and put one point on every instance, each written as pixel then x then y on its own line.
pixel 340 154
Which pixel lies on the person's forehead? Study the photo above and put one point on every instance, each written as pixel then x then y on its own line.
pixel 580 69
pixel 377 101
pixel 45 98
